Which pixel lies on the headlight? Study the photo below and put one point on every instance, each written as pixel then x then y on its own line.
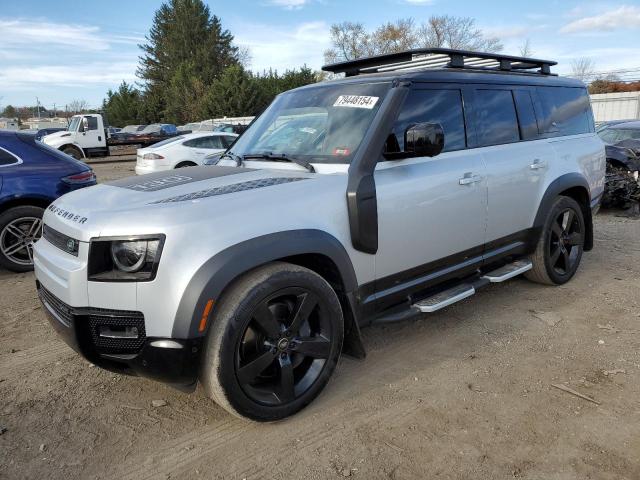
pixel 131 259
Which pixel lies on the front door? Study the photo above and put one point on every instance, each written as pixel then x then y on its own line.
pixel 90 136
pixel 431 211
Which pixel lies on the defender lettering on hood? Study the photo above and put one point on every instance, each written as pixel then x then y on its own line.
pixel 66 214
pixel 161 180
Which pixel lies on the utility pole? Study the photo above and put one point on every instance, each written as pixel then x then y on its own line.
pixel 38 106
pixel 54 110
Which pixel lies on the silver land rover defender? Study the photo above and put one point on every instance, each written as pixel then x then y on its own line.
pixel 400 189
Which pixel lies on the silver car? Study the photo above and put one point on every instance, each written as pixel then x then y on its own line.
pixel 396 191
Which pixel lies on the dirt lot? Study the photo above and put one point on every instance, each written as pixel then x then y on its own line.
pixel 465 393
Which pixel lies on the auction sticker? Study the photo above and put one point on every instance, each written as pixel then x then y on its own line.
pixel 356 101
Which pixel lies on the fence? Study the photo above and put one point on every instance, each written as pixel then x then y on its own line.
pixel 616 106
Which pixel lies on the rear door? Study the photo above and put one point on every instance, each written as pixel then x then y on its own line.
pixel 506 134
pixel 431 210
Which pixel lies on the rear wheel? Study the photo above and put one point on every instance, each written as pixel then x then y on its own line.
pixel 559 250
pixel 20 228
pixel 274 342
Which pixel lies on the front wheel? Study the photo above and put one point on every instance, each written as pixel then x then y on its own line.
pixel 274 342
pixel 559 250
pixel 73 152
pixel 20 228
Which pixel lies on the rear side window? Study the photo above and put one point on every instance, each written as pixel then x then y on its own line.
pixel 7 158
pixel 431 106
pixel 228 141
pixel 496 120
pixel 563 111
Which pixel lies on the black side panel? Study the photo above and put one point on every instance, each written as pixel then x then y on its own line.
pixel 361 189
pixel 219 271
pixel 559 185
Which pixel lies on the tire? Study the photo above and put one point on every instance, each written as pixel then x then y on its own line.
pixel 72 152
pixel 186 164
pixel 20 228
pixel 259 363
pixel 561 244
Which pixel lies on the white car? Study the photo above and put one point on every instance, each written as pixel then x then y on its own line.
pixel 182 151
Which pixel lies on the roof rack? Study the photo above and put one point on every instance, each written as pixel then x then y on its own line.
pixel 432 58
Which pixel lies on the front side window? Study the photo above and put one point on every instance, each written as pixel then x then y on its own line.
pixel 320 124
pixel 496 120
pixel 564 111
pixel 431 106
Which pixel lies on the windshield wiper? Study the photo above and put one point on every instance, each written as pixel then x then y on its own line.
pixel 278 157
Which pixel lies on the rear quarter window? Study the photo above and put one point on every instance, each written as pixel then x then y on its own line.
pixel 563 111
pixel 7 158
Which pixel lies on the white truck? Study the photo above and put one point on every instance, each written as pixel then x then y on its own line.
pixel 88 136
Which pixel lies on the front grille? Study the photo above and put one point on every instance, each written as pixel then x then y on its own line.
pixel 89 322
pixel 61 309
pixel 60 240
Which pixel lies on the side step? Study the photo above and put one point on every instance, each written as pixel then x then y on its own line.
pixel 446 298
pixel 508 271
pixel 462 291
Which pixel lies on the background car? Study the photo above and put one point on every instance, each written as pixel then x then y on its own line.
pixel 622 141
pixel 46 131
pixel 32 175
pixel 229 128
pixel 182 151
pixel 127 131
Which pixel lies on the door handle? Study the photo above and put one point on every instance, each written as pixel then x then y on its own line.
pixel 538 164
pixel 469 179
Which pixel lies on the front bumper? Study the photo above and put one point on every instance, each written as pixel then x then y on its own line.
pixel 168 360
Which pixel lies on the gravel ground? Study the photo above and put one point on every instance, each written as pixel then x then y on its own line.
pixel 464 393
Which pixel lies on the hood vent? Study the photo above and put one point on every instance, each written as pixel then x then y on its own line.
pixel 233 188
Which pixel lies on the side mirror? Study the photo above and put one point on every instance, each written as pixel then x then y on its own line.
pixel 85 124
pixel 424 140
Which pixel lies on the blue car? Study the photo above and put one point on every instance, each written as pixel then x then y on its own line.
pixel 32 175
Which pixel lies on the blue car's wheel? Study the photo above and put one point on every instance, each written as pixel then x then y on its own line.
pixel 20 228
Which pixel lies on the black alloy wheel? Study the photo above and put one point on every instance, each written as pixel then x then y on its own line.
pixel 274 341
pixel 284 347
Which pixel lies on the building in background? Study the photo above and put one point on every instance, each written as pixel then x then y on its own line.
pixel 9 123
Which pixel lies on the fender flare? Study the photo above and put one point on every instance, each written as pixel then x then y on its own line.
pixel 219 271
pixel 555 188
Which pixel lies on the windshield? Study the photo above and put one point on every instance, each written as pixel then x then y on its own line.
pixel 323 124
pixel 75 122
pixel 616 135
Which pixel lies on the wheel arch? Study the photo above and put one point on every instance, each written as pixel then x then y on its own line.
pixel 74 146
pixel 42 202
pixel 571 185
pixel 312 249
pixel 185 163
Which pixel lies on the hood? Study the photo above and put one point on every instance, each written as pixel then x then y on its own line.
pixel 53 137
pixel 143 202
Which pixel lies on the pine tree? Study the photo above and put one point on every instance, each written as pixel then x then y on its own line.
pixel 122 107
pixel 183 31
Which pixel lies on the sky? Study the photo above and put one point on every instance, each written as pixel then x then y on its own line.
pixel 63 50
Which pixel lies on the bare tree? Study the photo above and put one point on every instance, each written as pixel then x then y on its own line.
pixel 394 37
pixel 351 40
pixel 455 32
pixel 583 69
pixel 525 49
pixel 78 106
